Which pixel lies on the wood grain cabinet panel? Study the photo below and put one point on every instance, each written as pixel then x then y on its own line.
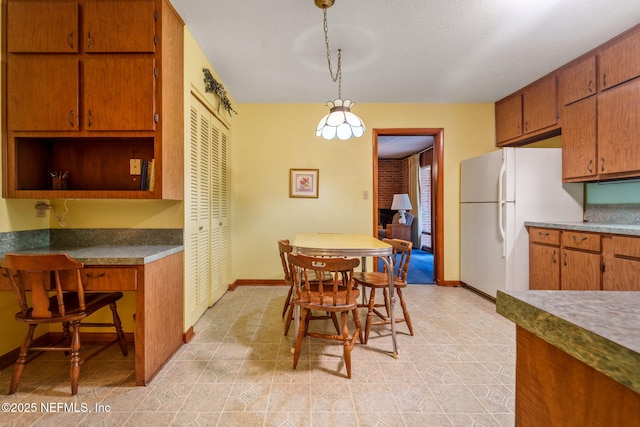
pixel 108 26
pixel 110 279
pixel 583 241
pixel 544 267
pixel 581 271
pixel 580 141
pixel 42 26
pixel 544 235
pixel 43 94
pixel 509 118
pixel 620 61
pixel 540 104
pixel 578 81
pixel 618 130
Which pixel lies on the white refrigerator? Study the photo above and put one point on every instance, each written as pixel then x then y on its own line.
pixel 499 191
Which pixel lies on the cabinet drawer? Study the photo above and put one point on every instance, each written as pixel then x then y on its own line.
pixel 110 279
pixel 626 246
pixel 544 235
pixel 585 241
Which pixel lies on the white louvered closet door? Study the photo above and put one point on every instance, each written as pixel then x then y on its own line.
pixel 206 213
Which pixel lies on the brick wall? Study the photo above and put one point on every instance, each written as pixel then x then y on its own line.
pixel 390 181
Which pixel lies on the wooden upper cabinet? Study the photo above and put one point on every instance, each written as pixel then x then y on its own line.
pixel 43 94
pixel 578 81
pixel 620 61
pixel 37 27
pixel 618 130
pixel 509 118
pixel 579 141
pixel 119 93
pixel 119 26
pixel 540 104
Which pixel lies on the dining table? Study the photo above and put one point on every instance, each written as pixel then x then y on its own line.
pixel 349 245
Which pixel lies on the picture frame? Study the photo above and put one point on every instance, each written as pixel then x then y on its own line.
pixel 304 183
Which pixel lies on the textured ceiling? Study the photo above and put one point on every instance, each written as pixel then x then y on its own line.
pixel 405 51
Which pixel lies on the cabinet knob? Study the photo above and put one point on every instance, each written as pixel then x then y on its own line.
pixel 590 166
pixel 95 276
pixel 70 40
pixel 89 44
pixel 602 164
pixel 90 118
pixel 553 257
pixel 565 258
pixel 72 121
pixel 604 80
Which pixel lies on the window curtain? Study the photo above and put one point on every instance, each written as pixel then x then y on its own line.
pixel 414 197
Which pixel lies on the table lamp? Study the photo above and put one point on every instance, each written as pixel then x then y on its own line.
pixel 401 203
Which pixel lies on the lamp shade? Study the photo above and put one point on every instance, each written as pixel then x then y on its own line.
pixel 401 202
pixel 340 123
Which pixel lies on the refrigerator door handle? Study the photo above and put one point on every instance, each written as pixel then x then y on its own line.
pixel 501 203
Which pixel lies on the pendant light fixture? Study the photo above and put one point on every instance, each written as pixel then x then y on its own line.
pixel 340 123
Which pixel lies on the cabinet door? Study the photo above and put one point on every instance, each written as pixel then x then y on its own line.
pixel 509 118
pixel 580 270
pixel 578 81
pixel 626 273
pixel 40 27
pixel 579 140
pixel 42 93
pixel 620 61
pixel 618 129
pixel 119 26
pixel 119 94
pixel 544 267
pixel 540 105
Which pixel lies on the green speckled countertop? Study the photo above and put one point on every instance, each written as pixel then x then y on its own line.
pixel 599 328
pixel 111 254
pixel 595 227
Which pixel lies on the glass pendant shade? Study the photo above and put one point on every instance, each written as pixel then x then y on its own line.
pixel 340 123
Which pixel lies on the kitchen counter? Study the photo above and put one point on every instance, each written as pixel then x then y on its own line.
pixel 110 254
pixel 626 229
pixel 578 352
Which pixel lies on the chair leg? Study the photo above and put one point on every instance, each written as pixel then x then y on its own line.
pixel 287 302
pixel 289 317
pixel 370 307
pixel 74 368
pixel 356 320
pixel 301 334
pixel 335 321
pixel 387 302
pixel 347 343
pixel 405 312
pixel 22 360
pixel 119 332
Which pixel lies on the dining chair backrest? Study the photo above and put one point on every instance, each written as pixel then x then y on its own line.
pixel 34 272
pixel 326 282
pixel 401 256
pixel 284 247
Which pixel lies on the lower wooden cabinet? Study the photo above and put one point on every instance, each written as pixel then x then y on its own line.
pixel 571 260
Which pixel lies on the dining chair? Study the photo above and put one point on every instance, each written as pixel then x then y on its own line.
pixel 334 292
pixel 401 256
pixel 68 306
pixel 285 248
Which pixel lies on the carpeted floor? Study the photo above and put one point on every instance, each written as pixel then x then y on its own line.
pixel 420 268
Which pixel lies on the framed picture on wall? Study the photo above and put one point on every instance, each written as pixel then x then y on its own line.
pixel 303 183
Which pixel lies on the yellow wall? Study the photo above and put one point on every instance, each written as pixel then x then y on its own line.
pixel 272 138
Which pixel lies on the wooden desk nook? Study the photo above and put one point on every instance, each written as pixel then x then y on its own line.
pixel 155 274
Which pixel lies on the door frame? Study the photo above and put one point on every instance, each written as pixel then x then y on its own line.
pixel 437 190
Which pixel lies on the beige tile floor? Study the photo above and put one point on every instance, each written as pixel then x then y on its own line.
pixel 458 370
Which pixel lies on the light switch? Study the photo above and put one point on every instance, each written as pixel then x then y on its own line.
pixel 134 166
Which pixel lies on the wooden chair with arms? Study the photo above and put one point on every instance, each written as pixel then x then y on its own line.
pixel 334 293
pixel 380 280
pixel 69 306
pixel 284 247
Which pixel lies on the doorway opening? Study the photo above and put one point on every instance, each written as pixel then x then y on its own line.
pixel 436 159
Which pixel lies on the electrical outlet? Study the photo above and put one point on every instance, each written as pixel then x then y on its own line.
pixel 365 195
pixel 41 209
pixel 134 166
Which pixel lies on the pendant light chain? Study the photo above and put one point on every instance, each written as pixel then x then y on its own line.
pixel 338 76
